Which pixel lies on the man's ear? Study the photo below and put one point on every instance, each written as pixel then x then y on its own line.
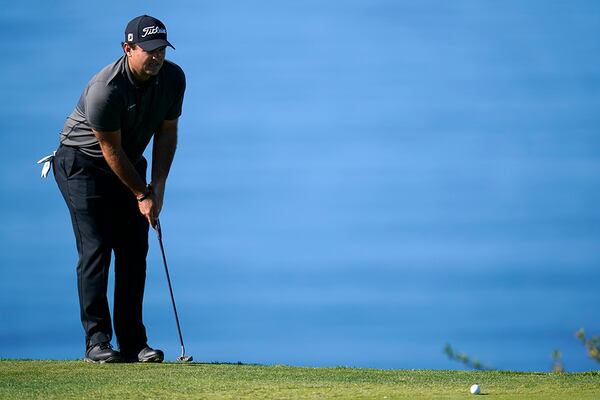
pixel 127 48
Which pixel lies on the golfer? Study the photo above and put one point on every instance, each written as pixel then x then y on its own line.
pixel 101 173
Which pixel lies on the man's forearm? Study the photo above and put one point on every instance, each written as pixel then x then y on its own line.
pixel 163 152
pixel 118 161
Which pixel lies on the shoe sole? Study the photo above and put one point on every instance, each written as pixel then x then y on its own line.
pixel 152 359
pixel 110 360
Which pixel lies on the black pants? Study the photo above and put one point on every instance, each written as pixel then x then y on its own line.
pixel 105 218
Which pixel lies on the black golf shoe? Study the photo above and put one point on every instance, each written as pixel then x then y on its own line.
pixel 102 353
pixel 148 354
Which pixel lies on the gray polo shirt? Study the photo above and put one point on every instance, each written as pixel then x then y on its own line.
pixel 113 100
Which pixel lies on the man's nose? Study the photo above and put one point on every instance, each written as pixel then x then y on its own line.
pixel 158 54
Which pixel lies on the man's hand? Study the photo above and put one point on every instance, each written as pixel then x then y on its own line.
pixel 159 194
pixel 149 209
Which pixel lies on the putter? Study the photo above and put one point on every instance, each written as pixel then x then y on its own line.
pixel 182 357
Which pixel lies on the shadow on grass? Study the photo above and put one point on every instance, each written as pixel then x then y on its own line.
pixel 204 363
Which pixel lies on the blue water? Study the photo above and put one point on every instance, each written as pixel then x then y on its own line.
pixel 357 182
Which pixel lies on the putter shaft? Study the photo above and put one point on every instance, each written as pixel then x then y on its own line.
pixel 162 250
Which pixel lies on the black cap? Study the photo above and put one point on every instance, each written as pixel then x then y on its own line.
pixel 148 32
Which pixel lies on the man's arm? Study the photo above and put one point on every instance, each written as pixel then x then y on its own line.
pixel 163 151
pixel 117 160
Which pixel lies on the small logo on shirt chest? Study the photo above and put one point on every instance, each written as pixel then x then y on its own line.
pixel 130 107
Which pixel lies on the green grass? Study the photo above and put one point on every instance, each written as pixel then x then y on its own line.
pixel 20 379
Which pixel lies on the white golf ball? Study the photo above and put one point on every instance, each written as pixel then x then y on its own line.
pixel 475 389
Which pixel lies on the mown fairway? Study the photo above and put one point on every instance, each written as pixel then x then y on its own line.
pixel 79 380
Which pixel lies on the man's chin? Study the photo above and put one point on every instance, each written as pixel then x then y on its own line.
pixel 152 71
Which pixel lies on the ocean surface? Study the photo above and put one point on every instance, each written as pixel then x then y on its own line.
pixel 357 182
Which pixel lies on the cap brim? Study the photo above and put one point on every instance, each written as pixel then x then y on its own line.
pixel 152 45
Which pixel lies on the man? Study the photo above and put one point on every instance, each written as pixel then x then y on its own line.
pixel 101 173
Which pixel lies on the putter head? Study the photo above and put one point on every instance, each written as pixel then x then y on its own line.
pixel 185 359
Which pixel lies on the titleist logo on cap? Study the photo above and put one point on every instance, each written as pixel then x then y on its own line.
pixel 152 30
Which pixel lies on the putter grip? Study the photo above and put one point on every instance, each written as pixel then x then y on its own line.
pixel 158 230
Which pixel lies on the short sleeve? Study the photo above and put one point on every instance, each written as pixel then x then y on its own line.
pixel 102 107
pixel 175 110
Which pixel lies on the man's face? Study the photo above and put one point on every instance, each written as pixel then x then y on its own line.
pixel 145 64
